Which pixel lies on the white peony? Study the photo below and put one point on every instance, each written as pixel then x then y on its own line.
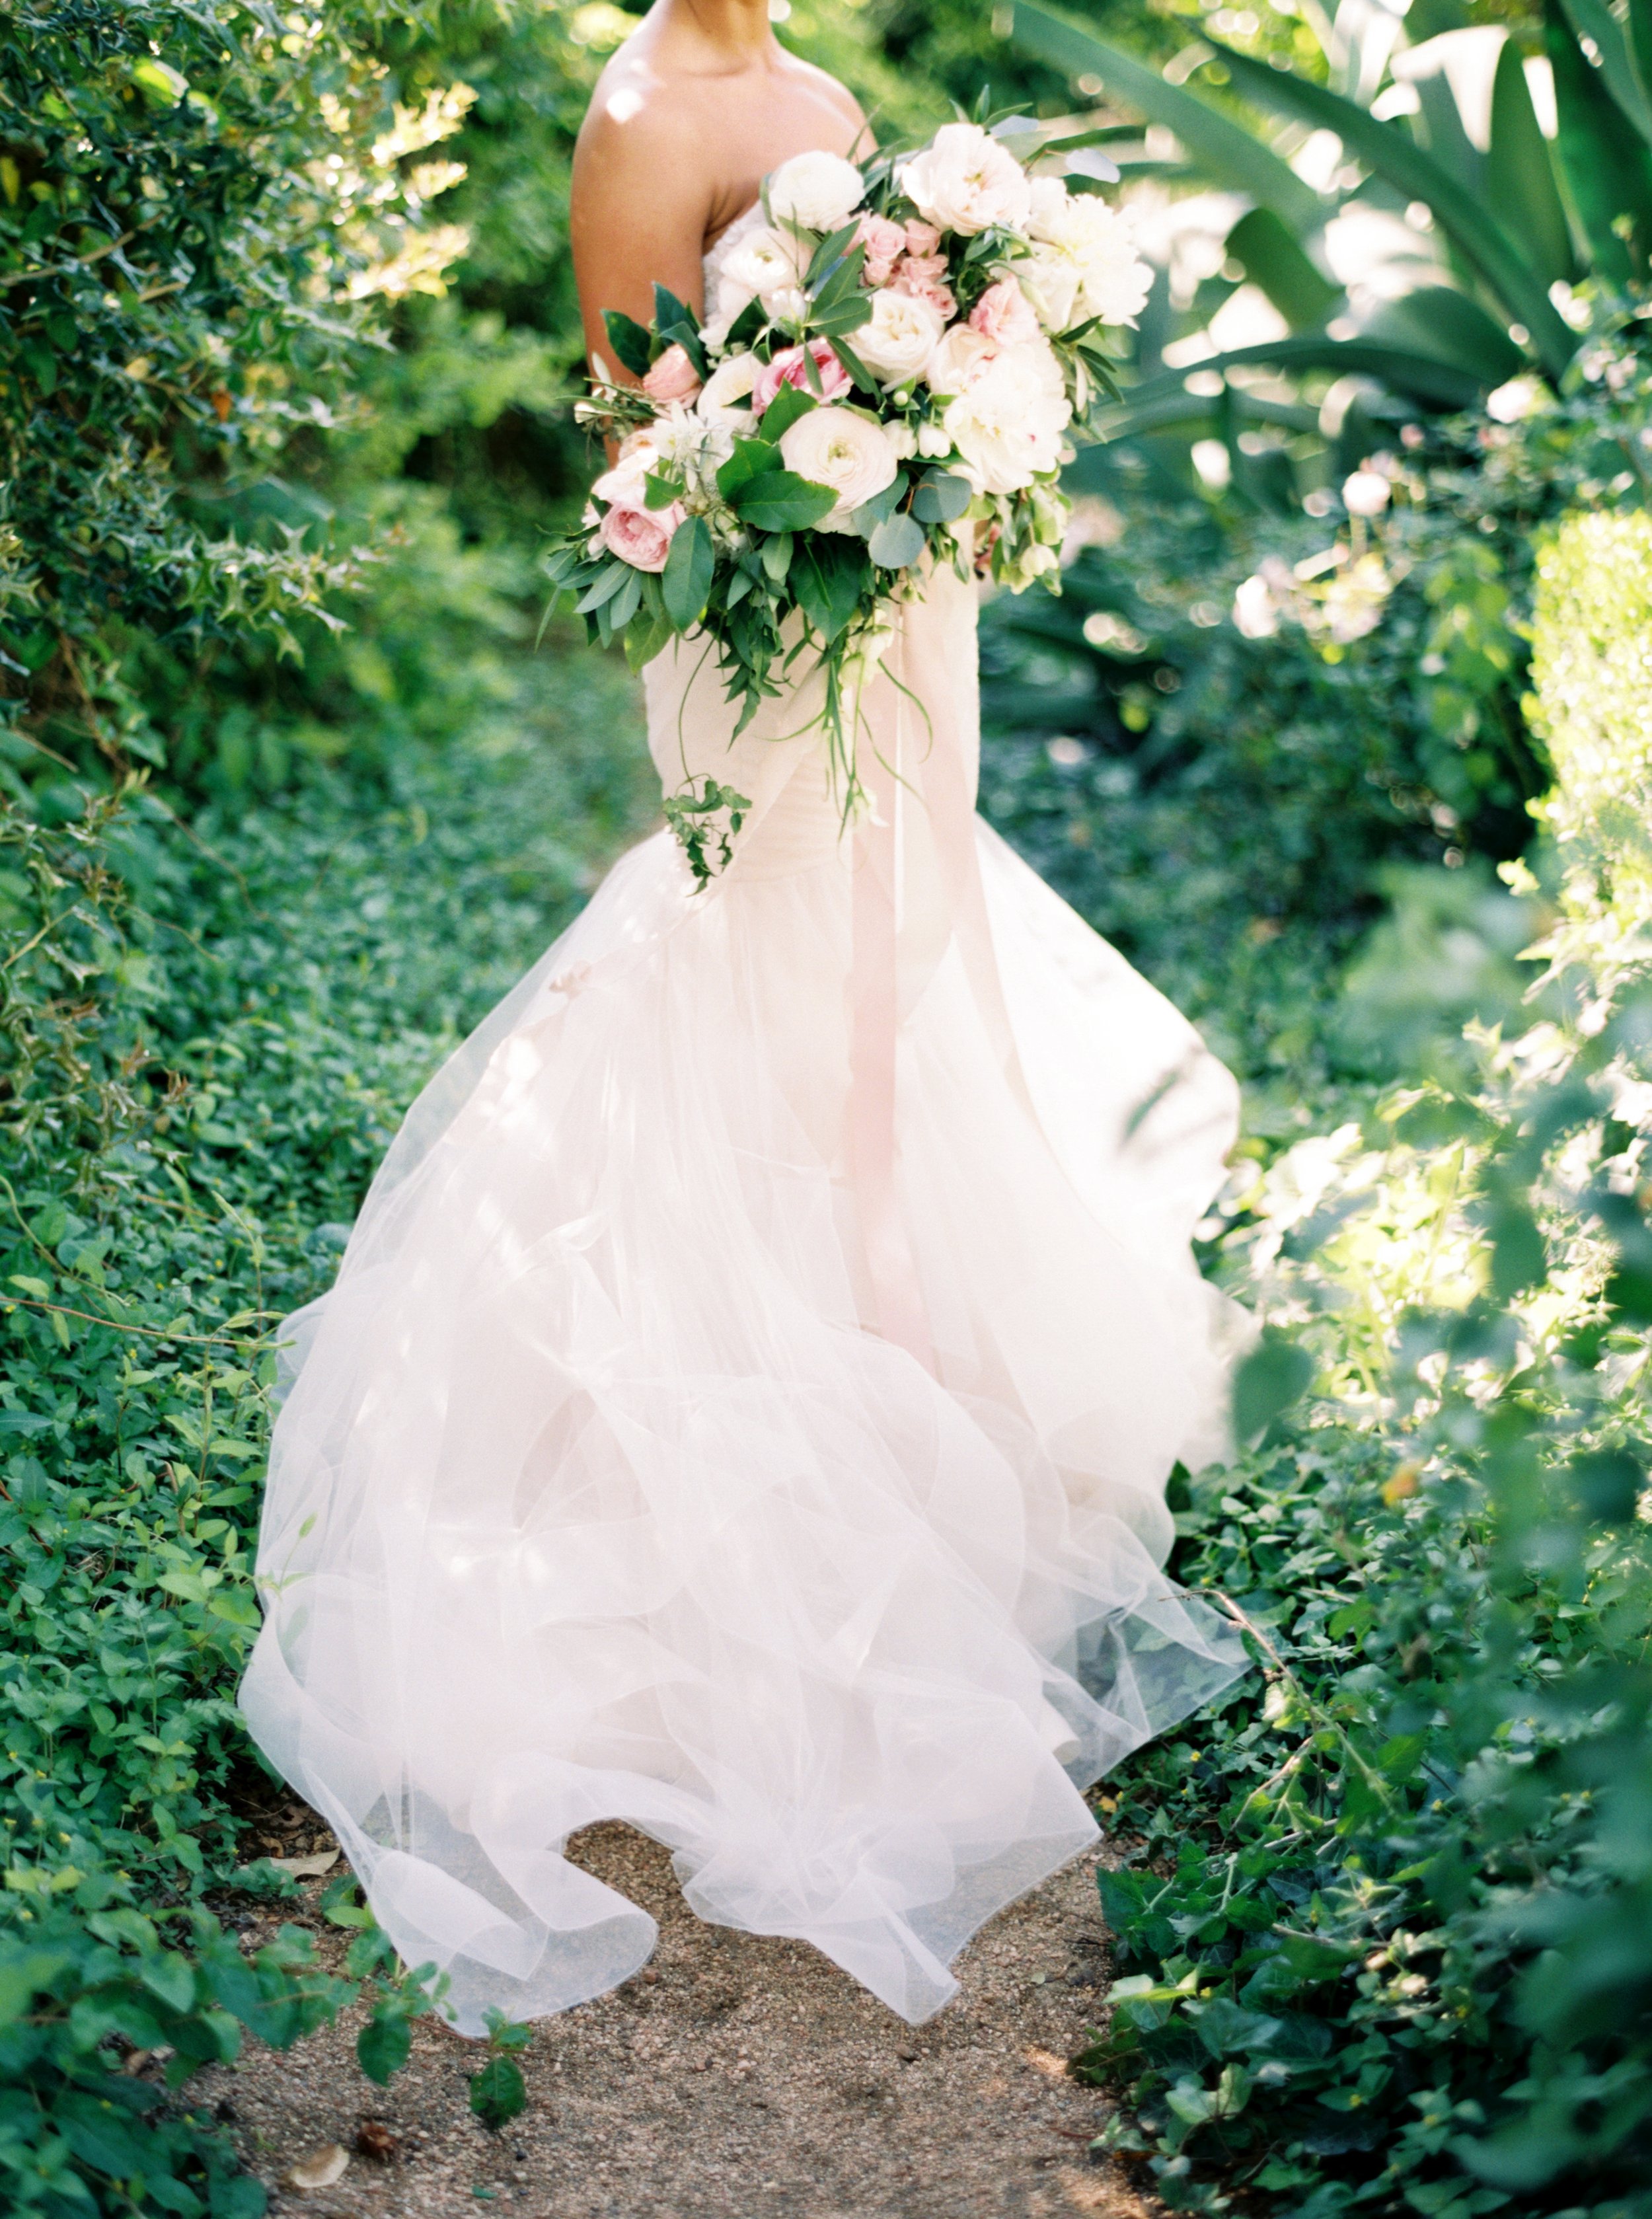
pixel 819 191
pixel 1082 262
pixel 730 383
pixel 763 262
pixel 839 448
pixel 1007 422
pixel 899 339
pixel 961 355
pixel 965 182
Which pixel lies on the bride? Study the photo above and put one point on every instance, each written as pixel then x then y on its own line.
pixel 745 1406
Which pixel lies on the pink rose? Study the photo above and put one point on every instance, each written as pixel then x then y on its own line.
pixel 1004 314
pixel 674 377
pixel 786 369
pixel 884 242
pixel 641 536
pixel 921 239
pixel 924 276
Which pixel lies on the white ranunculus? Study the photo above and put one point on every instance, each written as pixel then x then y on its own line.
pixel 900 337
pixel 1083 260
pixel 1007 421
pixel 730 383
pixel 763 261
pixel 841 448
pixel 819 191
pixel 965 182
pixel 961 355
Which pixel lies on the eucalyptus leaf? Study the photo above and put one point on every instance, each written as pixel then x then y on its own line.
pixel 898 541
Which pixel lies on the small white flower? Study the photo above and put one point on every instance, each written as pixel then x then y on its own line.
pixel 900 337
pixel 841 448
pixel 787 304
pixel 934 440
pixel 966 181
pixel 903 440
pixel 730 383
pixel 819 191
pixel 1366 493
pixel 761 263
pixel 1513 402
pixel 1256 614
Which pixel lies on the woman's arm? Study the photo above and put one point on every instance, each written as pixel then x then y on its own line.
pixel 641 198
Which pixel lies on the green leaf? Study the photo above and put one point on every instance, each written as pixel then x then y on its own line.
pixel 829 574
pixel 385 2043
pixel 1273 260
pixel 1605 165
pixel 1446 384
pixel 751 459
pixel 1438 320
pixel 942 497
pixel 897 541
pixel 1274 1374
pixel 1617 68
pixel 632 342
pixel 1396 158
pixel 686 581
pixel 783 412
pixel 1223 149
pixel 1520 174
pixel 497 2094
pixel 775 556
pixel 780 501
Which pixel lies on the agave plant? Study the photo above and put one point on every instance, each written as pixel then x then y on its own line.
pixel 1521 177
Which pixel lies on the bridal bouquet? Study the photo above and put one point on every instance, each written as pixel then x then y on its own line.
pixel 895 362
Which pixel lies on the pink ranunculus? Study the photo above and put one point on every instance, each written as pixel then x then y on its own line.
pixel 884 242
pixel 924 277
pixel 641 536
pixel 674 377
pixel 787 369
pixel 921 239
pixel 1004 314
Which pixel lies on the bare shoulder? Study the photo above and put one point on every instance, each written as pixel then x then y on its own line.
pixel 636 113
pixel 826 90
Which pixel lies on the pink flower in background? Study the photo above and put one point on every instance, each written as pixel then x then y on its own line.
pixel 787 369
pixel 922 238
pixel 924 277
pixel 885 243
pixel 1004 314
pixel 674 377
pixel 641 536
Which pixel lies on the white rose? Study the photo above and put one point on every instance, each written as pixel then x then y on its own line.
pixel 1007 423
pixel 961 355
pixel 1083 261
pixel 966 181
pixel 730 383
pixel 761 263
pixel 900 337
pixel 839 448
pixel 819 191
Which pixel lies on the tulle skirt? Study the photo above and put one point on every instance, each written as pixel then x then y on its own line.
pixel 745 1406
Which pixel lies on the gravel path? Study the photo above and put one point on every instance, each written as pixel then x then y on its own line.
pixel 737 2077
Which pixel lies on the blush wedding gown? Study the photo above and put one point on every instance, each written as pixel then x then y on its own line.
pixel 745 1405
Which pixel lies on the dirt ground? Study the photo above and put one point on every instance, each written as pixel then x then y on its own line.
pixel 737 2077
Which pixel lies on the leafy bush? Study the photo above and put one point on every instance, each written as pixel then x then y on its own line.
pixel 1391 1922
